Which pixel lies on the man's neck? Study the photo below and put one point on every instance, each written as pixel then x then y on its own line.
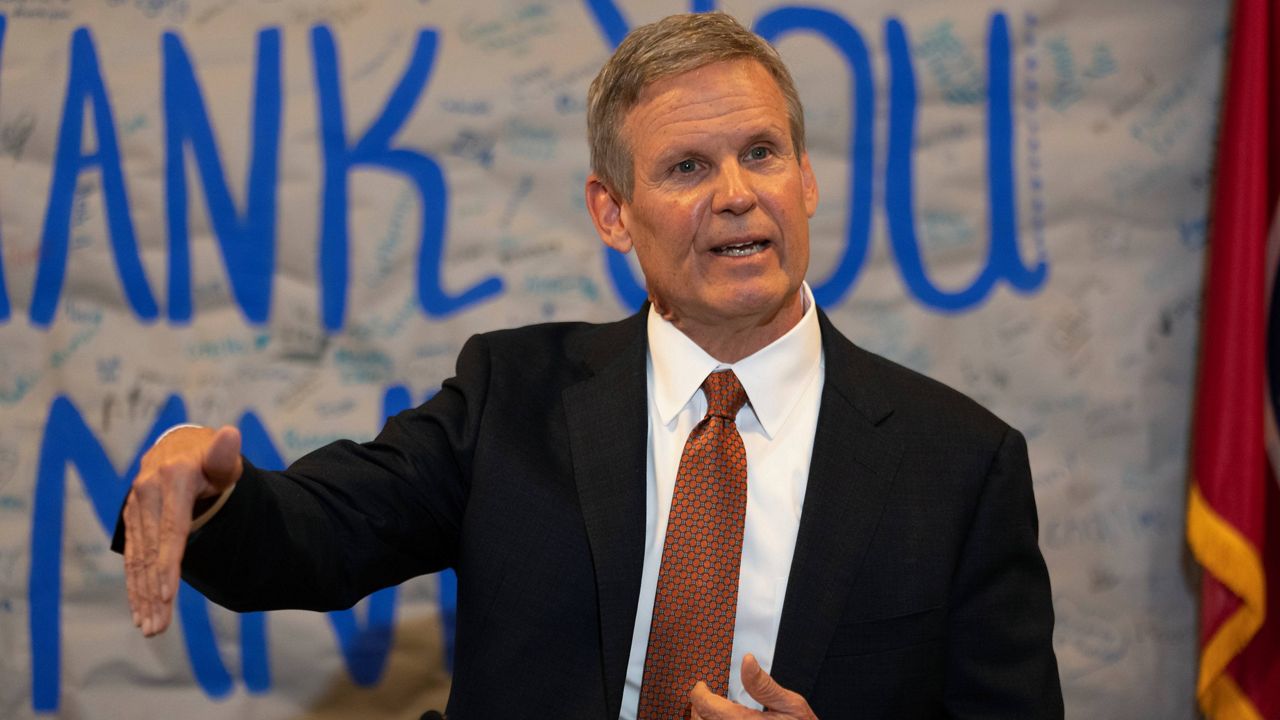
pixel 729 343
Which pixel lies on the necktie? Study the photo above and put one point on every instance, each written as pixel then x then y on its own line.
pixel 691 637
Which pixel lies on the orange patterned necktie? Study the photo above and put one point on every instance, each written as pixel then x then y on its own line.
pixel 691 637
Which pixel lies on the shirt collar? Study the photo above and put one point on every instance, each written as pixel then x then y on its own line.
pixel 773 376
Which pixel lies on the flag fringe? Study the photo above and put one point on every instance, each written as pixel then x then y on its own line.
pixel 1223 551
pixel 1224 700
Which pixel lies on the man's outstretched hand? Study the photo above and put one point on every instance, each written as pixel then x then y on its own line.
pixel 189 464
pixel 779 702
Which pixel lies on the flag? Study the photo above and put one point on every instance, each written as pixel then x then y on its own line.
pixel 1233 515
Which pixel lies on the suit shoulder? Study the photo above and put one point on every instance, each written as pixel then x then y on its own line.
pixel 919 390
pixel 913 402
pixel 559 346
pixel 523 338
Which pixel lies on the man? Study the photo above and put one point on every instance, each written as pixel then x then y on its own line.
pixel 633 532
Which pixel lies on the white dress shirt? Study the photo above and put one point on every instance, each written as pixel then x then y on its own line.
pixel 783 382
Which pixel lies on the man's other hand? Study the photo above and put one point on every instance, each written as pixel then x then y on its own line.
pixel 187 465
pixel 778 701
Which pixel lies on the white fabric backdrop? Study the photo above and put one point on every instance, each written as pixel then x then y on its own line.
pixel 1059 280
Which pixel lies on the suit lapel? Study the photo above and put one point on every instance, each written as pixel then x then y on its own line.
pixel 608 435
pixel 850 477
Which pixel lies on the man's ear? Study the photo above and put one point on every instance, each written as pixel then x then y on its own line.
pixel 808 184
pixel 606 213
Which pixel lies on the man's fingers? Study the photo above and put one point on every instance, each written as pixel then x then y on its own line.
pixel 175 523
pixel 778 701
pixel 167 518
pixel 186 464
pixel 146 498
pixel 709 706
pixel 130 561
pixel 222 464
pixel 766 691
pixel 759 685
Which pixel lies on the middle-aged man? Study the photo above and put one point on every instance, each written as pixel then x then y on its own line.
pixel 634 529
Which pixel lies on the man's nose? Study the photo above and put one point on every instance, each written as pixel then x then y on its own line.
pixel 734 192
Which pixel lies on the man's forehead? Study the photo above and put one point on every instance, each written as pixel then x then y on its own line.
pixel 682 94
pixel 664 83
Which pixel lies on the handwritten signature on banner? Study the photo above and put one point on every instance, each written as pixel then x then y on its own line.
pixel 246 236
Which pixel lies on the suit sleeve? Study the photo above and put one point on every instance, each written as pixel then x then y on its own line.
pixel 1000 660
pixel 349 518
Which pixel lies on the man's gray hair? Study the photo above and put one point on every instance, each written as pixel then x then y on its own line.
pixel 669 47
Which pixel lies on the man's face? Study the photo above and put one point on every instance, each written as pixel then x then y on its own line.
pixel 719 217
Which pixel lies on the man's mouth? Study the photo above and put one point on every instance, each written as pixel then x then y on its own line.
pixel 743 249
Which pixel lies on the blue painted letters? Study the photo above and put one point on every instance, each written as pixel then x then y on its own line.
pixel 4 294
pixel 84 84
pixel 1002 254
pixel 68 440
pixel 248 242
pixel 374 149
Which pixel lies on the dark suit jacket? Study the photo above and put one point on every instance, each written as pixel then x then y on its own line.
pixel 917 589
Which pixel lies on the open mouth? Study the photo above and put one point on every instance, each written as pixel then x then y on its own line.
pixel 742 249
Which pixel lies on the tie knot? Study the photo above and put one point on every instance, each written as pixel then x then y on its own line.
pixel 725 396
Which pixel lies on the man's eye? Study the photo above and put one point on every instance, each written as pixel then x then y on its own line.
pixel 686 166
pixel 758 153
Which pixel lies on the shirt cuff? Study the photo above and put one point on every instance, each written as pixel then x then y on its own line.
pixel 204 517
pixel 174 428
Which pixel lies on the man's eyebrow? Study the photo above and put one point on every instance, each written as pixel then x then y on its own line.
pixel 778 137
pixel 675 154
pixel 771 135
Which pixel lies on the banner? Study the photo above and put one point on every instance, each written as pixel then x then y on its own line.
pixel 290 215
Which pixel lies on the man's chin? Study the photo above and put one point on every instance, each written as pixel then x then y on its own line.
pixel 744 308
pixel 763 302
